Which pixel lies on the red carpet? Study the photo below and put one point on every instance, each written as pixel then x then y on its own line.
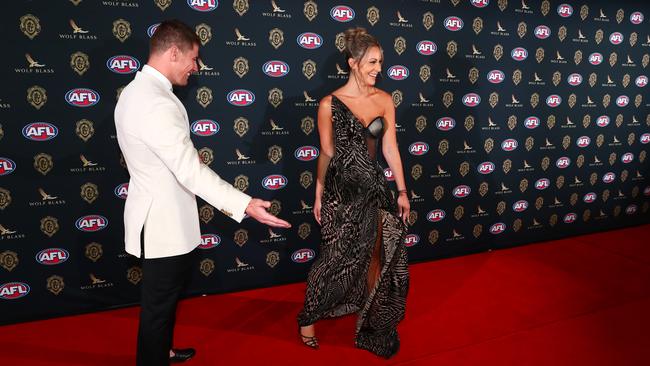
pixel 577 301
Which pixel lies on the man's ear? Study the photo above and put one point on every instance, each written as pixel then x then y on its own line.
pixel 173 52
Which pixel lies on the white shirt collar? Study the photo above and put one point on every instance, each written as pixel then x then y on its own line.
pixel 155 73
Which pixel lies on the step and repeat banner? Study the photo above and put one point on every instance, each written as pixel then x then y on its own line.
pixel 518 121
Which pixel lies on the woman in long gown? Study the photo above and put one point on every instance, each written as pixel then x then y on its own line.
pixel 362 264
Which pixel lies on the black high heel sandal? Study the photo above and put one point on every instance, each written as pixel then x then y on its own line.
pixel 311 342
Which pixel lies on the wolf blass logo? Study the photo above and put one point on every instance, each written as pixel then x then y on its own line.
pixel 455 236
pixel 241 40
pixel 240 266
pixel 273 237
pixel 441 173
pixel 276 129
pixel 123 3
pixel 87 167
pixel 241 158
pixel 96 282
pixel 523 10
pixel 205 69
pixel 424 102
pixel 46 200
pixel 400 20
pixel 276 11
pixel 78 32
pixel 10 233
pixel 34 66
pixel 307 101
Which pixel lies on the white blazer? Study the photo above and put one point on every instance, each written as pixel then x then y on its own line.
pixel 166 172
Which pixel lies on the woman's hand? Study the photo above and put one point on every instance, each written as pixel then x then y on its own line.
pixel 403 207
pixel 317 205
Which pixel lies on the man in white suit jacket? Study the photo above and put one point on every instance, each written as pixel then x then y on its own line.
pixel 165 175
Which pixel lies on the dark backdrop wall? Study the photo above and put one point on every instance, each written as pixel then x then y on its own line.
pixel 518 121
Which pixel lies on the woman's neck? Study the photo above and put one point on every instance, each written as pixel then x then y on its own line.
pixel 356 89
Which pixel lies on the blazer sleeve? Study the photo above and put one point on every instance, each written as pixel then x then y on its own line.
pixel 166 133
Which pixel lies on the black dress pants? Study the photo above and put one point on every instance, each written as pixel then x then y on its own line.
pixel 163 280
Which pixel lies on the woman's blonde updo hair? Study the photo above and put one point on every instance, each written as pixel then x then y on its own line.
pixel 357 43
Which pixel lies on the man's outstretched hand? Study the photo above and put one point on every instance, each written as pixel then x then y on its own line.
pixel 257 210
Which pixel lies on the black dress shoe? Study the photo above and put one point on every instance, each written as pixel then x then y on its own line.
pixel 182 355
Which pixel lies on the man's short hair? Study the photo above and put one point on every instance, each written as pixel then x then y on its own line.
pixel 173 32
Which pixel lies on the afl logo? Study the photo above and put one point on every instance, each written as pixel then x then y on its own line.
pixel 532 122
pixel 583 141
pixel 497 228
pixel 461 191
pixel 436 215
pixel 622 100
pixel 303 255
pixel 91 223
pixel 274 182
pixel 480 3
pixel 645 138
pixel 310 40
pixel 445 123
pixel 563 162
pixel 574 79
pixel 589 197
pixel 122 191
pixel 609 177
pixel 627 158
pixel 631 209
pixel 496 76
pixel 471 99
pixel 123 64
pixel 520 206
pixel 13 290
pixel 205 127
pixel 52 256
pixel 602 121
pixel 81 97
pixel 306 153
pixel 636 18
pixel 398 72
pixel 342 13
pixel 411 240
pixel 616 38
pixel 389 175
pixel 570 217
pixel 209 241
pixel 418 148
pixel 275 68
pixel 241 97
pixel 509 145
pixel 7 166
pixel 596 58
pixel 519 54
pixel 152 29
pixel 641 81
pixel 486 167
pixel 565 10
pixel 542 32
pixel 453 23
pixel 553 100
pixel 40 131
pixel 426 48
pixel 203 5
pixel 542 183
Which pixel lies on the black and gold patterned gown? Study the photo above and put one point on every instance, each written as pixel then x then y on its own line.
pixel 359 226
